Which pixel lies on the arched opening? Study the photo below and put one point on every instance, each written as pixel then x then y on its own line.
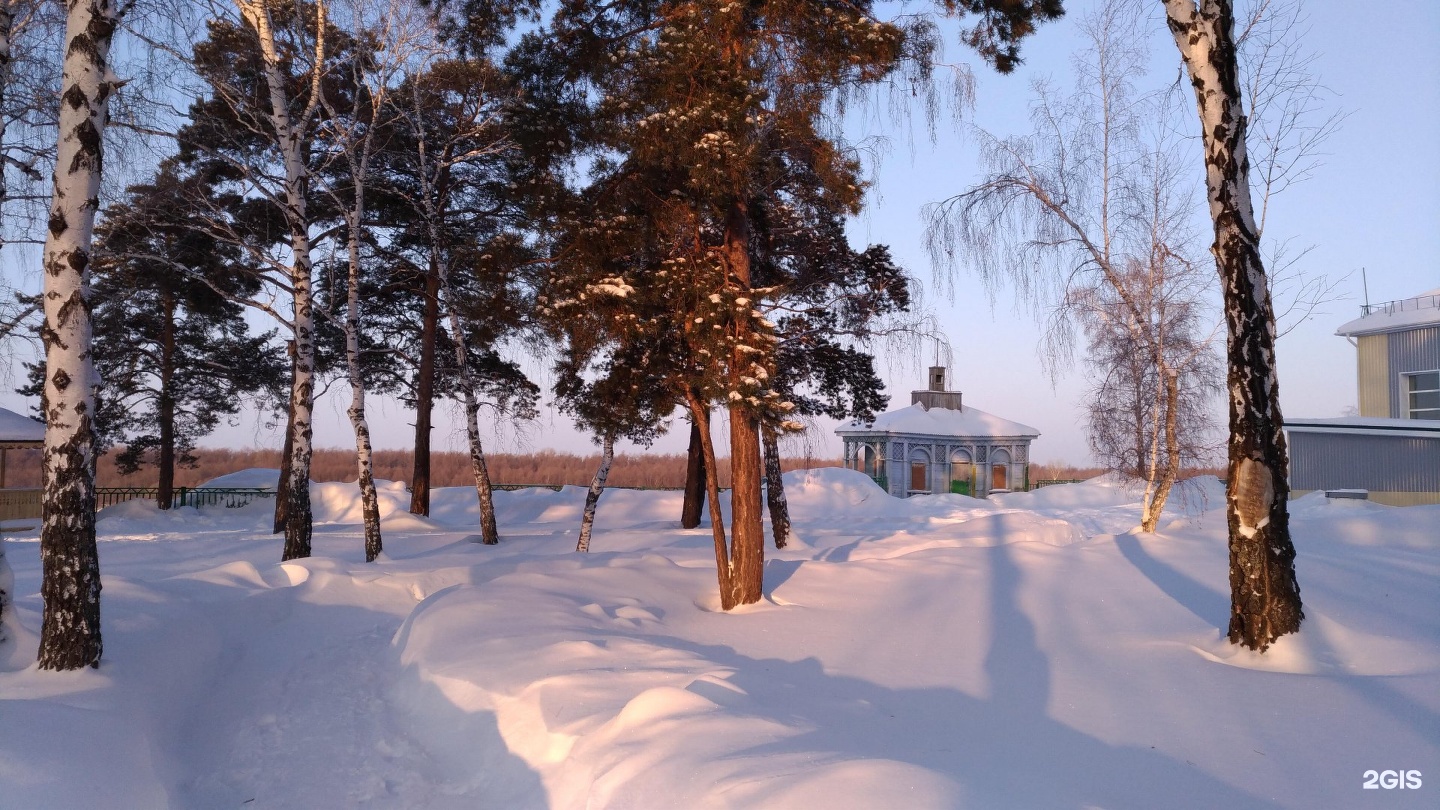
pixel 919 471
pixel 999 470
pixel 865 459
pixel 962 473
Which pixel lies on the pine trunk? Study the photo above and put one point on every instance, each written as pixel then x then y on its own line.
pixel 365 474
pixel 746 518
pixel 425 395
pixel 489 532
pixel 165 487
pixel 694 506
pixel 724 571
pixel 775 489
pixel 1264 594
pixel 592 498
pixel 70 578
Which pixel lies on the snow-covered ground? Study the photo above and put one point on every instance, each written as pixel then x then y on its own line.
pixel 1025 652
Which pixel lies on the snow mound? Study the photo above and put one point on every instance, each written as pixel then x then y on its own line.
pixel 253 478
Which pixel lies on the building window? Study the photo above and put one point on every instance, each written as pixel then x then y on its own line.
pixel 1424 395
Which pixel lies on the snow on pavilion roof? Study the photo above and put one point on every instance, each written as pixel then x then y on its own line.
pixel 1421 310
pixel 17 428
pixel 966 422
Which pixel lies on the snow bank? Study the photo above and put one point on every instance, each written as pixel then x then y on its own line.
pixel 929 652
pixel 253 478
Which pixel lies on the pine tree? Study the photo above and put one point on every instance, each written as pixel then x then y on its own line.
pixel 173 353
pixel 458 241
pixel 704 112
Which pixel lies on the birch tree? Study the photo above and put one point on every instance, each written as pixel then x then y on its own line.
pixel 70 578
pixel 1095 196
pixel 390 38
pixel 1264 593
pixel 252 137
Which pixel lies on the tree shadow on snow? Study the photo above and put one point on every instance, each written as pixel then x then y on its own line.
pixel 1004 750
pixel 1208 604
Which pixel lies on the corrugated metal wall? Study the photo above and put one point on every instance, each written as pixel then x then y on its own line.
pixel 1374 375
pixel 1411 350
pixel 1378 463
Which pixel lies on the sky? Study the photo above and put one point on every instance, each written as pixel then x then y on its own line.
pixel 1374 205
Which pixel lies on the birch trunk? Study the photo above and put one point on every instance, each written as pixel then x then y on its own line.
pixel 7 32
pixel 1264 595
pixel 489 532
pixel 365 474
pixel 592 498
pixel 7 59
pixel 724 571
pixel 289 140
pixel 70 578
pixel 775 489
pixel 746 519
pixel 694 505
pixel 282 486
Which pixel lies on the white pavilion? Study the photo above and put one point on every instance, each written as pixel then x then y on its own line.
pixel 938 445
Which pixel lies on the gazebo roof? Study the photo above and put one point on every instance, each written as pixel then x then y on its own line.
pixel 964 422
pixel 16 429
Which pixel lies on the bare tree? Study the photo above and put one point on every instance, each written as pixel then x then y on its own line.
pixel 1099 201
pixel 1264 594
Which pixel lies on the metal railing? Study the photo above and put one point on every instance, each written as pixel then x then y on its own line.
pixel 1403 305
pixel 1045 482
pixel 229 497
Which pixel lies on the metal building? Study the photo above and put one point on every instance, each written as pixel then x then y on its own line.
pixel 938 445
pixel 1392 449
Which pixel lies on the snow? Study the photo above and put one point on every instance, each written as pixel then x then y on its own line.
pixel 15 427
pixel 1028 651
pixel 916 419
pixel 1421 310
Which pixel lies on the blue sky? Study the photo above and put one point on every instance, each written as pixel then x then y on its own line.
pixel 1374 204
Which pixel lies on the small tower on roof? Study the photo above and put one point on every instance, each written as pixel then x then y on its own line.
pixel 936 396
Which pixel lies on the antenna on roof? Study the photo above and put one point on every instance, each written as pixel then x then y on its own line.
pixel 1365 285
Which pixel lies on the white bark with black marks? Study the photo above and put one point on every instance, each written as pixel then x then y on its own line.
pixel 70 579
pixel 592 498
pixel 1265 597
pixel 290 135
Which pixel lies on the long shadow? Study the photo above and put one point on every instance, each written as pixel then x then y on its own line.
pixel 1003 752
pixel 1209 605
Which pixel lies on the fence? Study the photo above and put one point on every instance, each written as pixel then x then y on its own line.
pixel 230 498
pixel 20 504
pixel 1045 482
